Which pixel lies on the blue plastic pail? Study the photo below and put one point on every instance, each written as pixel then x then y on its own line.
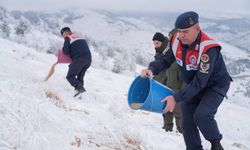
pixel 146 94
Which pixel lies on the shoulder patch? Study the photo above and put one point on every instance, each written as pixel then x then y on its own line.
pixel 204 67
pixel 192 59
pixel 204 58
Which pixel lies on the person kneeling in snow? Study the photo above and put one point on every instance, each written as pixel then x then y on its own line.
pixel 77 48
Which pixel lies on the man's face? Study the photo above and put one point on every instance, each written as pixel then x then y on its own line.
pixel 189 35
pixel 65 34
pixel 157 44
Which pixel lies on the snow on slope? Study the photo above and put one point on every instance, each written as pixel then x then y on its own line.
pixel 233 52
pixel 38 115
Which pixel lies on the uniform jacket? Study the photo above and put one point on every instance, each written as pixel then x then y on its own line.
pixel 201 64
pixel 77 48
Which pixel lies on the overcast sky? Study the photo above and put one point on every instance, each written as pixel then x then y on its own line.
pixel 132 5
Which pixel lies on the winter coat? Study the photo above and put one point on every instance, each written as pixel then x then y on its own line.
pixel 77 48
pixel 201 63
pixel 170 77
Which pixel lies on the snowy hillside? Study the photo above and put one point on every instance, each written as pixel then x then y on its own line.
pixel 119 40
pixel 38 115
pixel 119 43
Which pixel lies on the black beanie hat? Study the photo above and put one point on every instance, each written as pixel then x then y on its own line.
pixel 159 37
pixel 65 29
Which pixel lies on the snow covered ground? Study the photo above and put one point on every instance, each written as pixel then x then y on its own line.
pixel 38 115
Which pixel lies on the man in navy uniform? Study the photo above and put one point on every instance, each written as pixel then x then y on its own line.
pixel 77 48
pixel 204 72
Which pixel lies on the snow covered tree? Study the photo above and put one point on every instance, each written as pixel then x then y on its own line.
pixel 4 27
pixel 123 62
pixel 22 28
pixel 3 13
pixel 247 92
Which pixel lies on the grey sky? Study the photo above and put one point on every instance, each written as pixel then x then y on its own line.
pixel 133 5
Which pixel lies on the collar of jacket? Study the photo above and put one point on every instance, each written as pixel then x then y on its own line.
pixel 163 46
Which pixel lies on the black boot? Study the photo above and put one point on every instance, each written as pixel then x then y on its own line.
pixel 179 130
pixel 168 130
pixel 215 145
pixel 79 90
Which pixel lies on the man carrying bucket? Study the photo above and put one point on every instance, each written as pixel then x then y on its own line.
pixel 77 48
pixel 171 78
pixel 204 71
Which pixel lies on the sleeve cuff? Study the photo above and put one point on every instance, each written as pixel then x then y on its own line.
pixel 177 97
pixel 152 69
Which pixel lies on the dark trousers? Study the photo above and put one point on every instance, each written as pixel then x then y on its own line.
pixel 198 113
pixel 76 73
pixel 169 116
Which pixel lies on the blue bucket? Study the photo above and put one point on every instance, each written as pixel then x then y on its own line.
pixel 146 94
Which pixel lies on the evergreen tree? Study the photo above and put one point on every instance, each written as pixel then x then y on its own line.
pixel 22 28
